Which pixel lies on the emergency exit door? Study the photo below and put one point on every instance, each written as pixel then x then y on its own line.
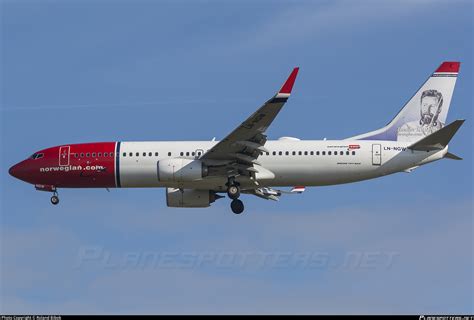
pixel 376 154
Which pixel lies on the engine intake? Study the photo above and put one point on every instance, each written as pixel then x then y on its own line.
pixel 181 170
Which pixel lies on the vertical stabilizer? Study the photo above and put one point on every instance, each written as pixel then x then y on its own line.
pixel 425 113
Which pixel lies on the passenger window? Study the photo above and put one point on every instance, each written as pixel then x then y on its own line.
pixel 169 154
pixel 137 154
pixel 324 153
pixel 312 153
pixel 124 154
pixel 300 153
pixel 294 153
pixel 88 154
pixel 353 153
pixel 93 154
pixel 99 154
pixel 187 154
pixel 274 153
pixel 76 155
pixel 341 153
pixel 280 153
pixel 329 153
pixel 347 153
pixel 199 153
pixel 82 155
pixel 111 154
pixel 156 154
pixel 181 154
pixel 268 153
pixel 287 153
pixel 130 154
pixel 144 154
pixel 306 153
pixel 192 153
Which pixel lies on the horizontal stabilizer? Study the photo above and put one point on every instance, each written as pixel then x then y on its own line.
pixel 449 155
pixel 439 139
pixel 298 189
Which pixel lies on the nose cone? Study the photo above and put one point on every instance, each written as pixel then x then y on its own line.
pixel 18 171
pixel 14 171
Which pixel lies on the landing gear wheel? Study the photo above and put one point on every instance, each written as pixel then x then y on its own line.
pixel 233 192
pixel 237 206
pixel 55 199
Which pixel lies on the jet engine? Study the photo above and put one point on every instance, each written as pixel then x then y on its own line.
pixel 181 170
pixel 190 198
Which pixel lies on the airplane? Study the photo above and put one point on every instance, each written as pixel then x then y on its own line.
pixel 197 173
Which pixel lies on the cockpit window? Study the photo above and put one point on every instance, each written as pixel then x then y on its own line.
pixel 37 156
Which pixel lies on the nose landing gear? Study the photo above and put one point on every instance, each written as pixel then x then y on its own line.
pixel 55 198
pixel 49 188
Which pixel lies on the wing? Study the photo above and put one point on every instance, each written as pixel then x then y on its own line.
pixel 243 145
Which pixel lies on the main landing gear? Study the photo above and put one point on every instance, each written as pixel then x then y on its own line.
pixel 237 206
pixel 233 191
pixel 55 198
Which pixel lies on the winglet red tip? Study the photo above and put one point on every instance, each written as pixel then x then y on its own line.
pixel 289 82
pixel 449 66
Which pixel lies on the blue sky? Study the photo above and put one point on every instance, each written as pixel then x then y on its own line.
pixel 78 71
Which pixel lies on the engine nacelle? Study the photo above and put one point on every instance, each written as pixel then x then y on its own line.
pixel 189 198
pixel 181 170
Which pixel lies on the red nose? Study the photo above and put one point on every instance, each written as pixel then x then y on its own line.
pixel 19 171
pixel 14 171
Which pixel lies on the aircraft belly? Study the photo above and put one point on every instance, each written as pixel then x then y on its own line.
pixel 316 174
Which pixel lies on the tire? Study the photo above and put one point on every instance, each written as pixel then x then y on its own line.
pixel 237 206
pixel 54 200
pixel 233 192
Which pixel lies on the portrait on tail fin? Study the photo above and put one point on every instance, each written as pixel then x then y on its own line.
pixel 431 102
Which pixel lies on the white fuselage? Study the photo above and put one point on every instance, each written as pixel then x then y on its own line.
pixel 288 163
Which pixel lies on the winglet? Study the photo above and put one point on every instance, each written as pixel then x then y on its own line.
pixel 286 89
